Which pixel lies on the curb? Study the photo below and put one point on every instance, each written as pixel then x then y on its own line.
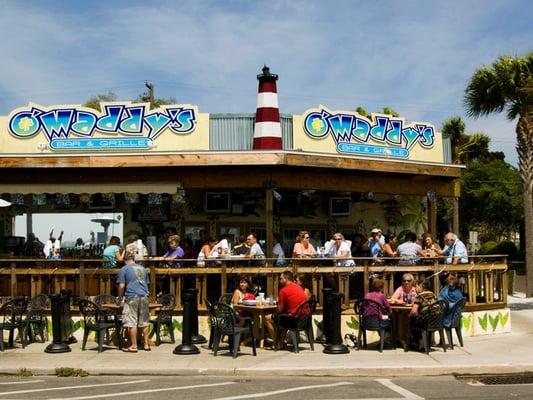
pixel 311 372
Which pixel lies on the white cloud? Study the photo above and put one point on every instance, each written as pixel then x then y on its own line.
pixel 414 56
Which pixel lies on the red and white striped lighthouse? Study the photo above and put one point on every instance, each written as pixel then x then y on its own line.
pixel 267 131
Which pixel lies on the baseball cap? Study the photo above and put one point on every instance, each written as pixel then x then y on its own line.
pixel 376 230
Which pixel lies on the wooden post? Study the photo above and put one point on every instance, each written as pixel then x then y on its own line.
pixel 223 279
pixel 455 223
pixel 153 287
pixel 82 280
pixel 13 280
pixel 432 216
pixel 269 223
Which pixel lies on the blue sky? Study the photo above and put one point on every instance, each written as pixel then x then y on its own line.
pixel 414 56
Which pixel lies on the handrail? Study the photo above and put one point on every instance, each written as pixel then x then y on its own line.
pixel 485 278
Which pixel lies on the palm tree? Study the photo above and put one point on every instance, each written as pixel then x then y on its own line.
pixel 508 85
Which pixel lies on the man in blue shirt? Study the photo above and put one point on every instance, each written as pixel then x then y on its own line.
pixel 375 243
pixel 454 249
pixel 133 285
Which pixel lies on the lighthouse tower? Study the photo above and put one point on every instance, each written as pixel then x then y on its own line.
pixel 267 131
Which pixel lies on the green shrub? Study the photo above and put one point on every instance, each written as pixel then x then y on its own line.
pixel 23 372
pixel 66 372
pixel 507 247
pixel 488 248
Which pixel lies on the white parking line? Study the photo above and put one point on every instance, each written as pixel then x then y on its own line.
pixel 295 389
pixel 22 382
pixel 398 389
pixel 73 387
pixel 101 396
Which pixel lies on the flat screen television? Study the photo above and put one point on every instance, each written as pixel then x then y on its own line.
pixel 340 206
pixel 217 202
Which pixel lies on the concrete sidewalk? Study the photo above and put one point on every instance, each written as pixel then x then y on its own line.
pixel 503 353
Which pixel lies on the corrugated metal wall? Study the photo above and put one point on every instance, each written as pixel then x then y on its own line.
pixel 447 149
pixel 229 132
pixel 233 132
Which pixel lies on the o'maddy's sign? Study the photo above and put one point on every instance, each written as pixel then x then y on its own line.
pixel 381 135
pixel 120 125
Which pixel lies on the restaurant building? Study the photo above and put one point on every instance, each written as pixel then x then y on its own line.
pixel 324 170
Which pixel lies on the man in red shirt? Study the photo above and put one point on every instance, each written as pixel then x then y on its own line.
pixel 290 297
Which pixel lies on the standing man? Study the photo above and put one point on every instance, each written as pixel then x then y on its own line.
pixel 290 297
pixel 133 285
pixel 455 250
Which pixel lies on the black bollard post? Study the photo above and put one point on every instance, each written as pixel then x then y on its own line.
pixel 196 337
pixel 335 345
pixel 58 344
pixel 326 317
pixel 186 346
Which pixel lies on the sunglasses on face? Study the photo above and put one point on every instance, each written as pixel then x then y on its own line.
pixel 407 280
pixel 306 237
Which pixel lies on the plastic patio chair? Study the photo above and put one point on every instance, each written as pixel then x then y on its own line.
pixel 164 317
pixel 373 322
pixel 455 312
pixel 12 316
pixel 430 321
pixel 95 319
pixel 225 323
pixel 35 321
pixel 301 321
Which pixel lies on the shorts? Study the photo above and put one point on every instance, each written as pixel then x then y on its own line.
pixel 135 312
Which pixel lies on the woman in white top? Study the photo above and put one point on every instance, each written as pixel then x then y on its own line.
pixel 340 250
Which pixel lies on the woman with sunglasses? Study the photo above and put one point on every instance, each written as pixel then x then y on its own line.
pixel 303 247
pixel 406 293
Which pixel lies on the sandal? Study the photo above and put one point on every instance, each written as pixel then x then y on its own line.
pixel 129 350
pixel 147 349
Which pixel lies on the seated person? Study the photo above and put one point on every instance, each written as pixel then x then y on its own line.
pixel 429 247
pixel 277 251
pixel 451 294
pixel 242 248
pixel 112 253
pixel 303 247
pixel 376 294
pixel 242 291
pixel 409 251
pixel 423 298
pixel 374 244
pixel 390 246
pixel 206 252
pixel 256 251
pixel 406 293
pixel 174 253
pixel 304 281
pixel 455 250
pixel 340 250
pixel 290 297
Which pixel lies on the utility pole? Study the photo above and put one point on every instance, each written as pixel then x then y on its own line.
pixel 150 87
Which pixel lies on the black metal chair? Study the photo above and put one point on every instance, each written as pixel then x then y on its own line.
pixel 97 320
pixel 111 315
pixel 455 322
pixel 429 321
pixel 164 317
pixel 226 298
pixel 35 321
pixel 301 321
pixel 370 314
pixel 12 316
pixel 225 322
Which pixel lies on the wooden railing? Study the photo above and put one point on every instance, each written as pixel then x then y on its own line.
pixel 484 279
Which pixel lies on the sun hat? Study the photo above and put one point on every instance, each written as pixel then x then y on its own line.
pixel 376 230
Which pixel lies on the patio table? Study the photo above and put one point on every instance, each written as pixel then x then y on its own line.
pixel 259 312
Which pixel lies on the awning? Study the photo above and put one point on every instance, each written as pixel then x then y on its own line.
pixel 78 188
